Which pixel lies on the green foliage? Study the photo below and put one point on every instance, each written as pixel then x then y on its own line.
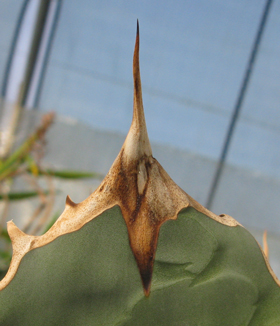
pixel 70 174
pixel 21 195
pixel 24 162
pixel 205 274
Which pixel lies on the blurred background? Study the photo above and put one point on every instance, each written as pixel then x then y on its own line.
pixel 211 90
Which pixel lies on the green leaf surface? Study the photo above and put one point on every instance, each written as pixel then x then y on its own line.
pixel 205 274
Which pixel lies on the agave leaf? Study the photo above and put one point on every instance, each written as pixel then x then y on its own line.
pixel 138 231
pixel 90 277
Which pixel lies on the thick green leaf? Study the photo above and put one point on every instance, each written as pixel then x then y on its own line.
pixel 138 251
pixel 205 273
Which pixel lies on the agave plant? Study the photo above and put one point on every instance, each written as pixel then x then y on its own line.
pixel 139 251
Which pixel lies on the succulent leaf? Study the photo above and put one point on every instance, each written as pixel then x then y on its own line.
pixel 196 268
pixel 202 276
